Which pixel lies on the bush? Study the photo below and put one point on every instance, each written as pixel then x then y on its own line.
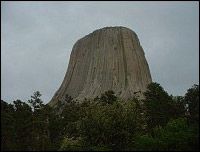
pixel 99 148
pixel 72 144
pixel 148 143
pixel 177 135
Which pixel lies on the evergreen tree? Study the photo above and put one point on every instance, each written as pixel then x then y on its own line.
pixel 175 136
pixel 23 123
pixel 35 101
pixel 37 129
pixel 158 105
pixel 192 99
pixel 8 135
pixel 110 126
pixel 108 97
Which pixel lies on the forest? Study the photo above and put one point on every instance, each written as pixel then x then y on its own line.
pixel 107 123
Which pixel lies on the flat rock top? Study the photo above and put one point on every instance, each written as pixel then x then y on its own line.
pixel 107 29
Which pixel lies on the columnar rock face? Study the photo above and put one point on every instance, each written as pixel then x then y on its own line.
pixel 109 58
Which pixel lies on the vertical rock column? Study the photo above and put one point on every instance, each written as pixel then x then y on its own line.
pixel 108 58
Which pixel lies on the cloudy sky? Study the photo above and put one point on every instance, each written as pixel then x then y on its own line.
pixel 37 39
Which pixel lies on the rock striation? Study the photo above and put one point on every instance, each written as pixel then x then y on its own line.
pixel 108 58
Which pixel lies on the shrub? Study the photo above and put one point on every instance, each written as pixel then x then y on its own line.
pixel 72 144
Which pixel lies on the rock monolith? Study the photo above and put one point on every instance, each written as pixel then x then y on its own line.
pixel 110 58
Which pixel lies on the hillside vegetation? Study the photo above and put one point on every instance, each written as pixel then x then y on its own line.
pixel 160 122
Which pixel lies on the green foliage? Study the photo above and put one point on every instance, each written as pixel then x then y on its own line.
pixel 178 109
pixel 159 122
pixel 7 127
pixel 147 143
pixel 96 148
pixel 23 117
pixel 192 99
pixel 159 106
pixel 72 144
pixel 35 101
pixel 111 125
pixel 108 97
pixel 177 135
pixel 70 115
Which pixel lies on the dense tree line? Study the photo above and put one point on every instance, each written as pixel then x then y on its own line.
pixel 159 122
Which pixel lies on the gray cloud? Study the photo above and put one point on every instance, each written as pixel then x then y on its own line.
pixel 37 39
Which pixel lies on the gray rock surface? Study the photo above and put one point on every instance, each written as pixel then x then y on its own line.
pixel 108 58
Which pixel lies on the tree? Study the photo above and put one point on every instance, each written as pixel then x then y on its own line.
pixel 110 126
pixel 108 97
pixel 49 126
pixel 35 101
pixel 178 109
pixel 37 131
pixel 8 134
pixel 55 130
pixel 158 105
pixel 175 136
pixel 69 117
pixel 192 99
pixel 23 123
pixel 72 144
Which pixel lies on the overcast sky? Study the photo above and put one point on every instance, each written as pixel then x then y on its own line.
pixel 37 39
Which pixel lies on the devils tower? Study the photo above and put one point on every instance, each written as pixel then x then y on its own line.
pixel 110 58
